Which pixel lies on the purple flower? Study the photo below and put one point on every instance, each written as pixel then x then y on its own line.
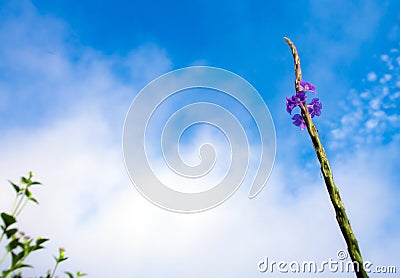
pixel 295 100
pixel 314 107
pixel 299 121
pixel 307 86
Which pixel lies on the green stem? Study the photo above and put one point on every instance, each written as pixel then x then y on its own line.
pixel 20 198
pixel 2 235
pixel 341 216
pixel 14 204
pixel 54 270
pixel 22 207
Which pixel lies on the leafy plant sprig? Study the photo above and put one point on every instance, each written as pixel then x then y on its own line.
pixel 18 245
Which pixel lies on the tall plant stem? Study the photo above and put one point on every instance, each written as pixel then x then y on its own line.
pixel 341 216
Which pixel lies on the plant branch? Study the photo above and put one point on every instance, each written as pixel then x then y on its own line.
pixel 341 216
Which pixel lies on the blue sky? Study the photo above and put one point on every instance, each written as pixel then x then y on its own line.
pixel 68 74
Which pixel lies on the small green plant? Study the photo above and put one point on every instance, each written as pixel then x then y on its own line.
pixel 18 246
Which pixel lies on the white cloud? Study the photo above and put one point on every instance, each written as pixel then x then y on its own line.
pixel 375 107
pixel 371 76
pixel 375 103
pixel 371 124
pixel 385 78
pixel 365 94
pixel 338 134
pixel 394 96
pixel 110 230
pixel 147 62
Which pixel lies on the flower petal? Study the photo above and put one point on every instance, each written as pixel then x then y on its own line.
pixel 307 86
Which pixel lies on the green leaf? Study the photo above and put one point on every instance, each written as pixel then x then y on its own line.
pixel 79 274
pixel 59 260
pixel 9 233
pixel 35 182
pixel 4 273
pixel 15 258
pixel 7 219
pixel 16 187
pixel 40 241
pixel 34 248
pixel 28 193
pixel 21 266
pixel 70 275
pixel 13 244
pixel 34 200
pixel 24 180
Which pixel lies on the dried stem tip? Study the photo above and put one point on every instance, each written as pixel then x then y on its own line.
pixel 297 68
